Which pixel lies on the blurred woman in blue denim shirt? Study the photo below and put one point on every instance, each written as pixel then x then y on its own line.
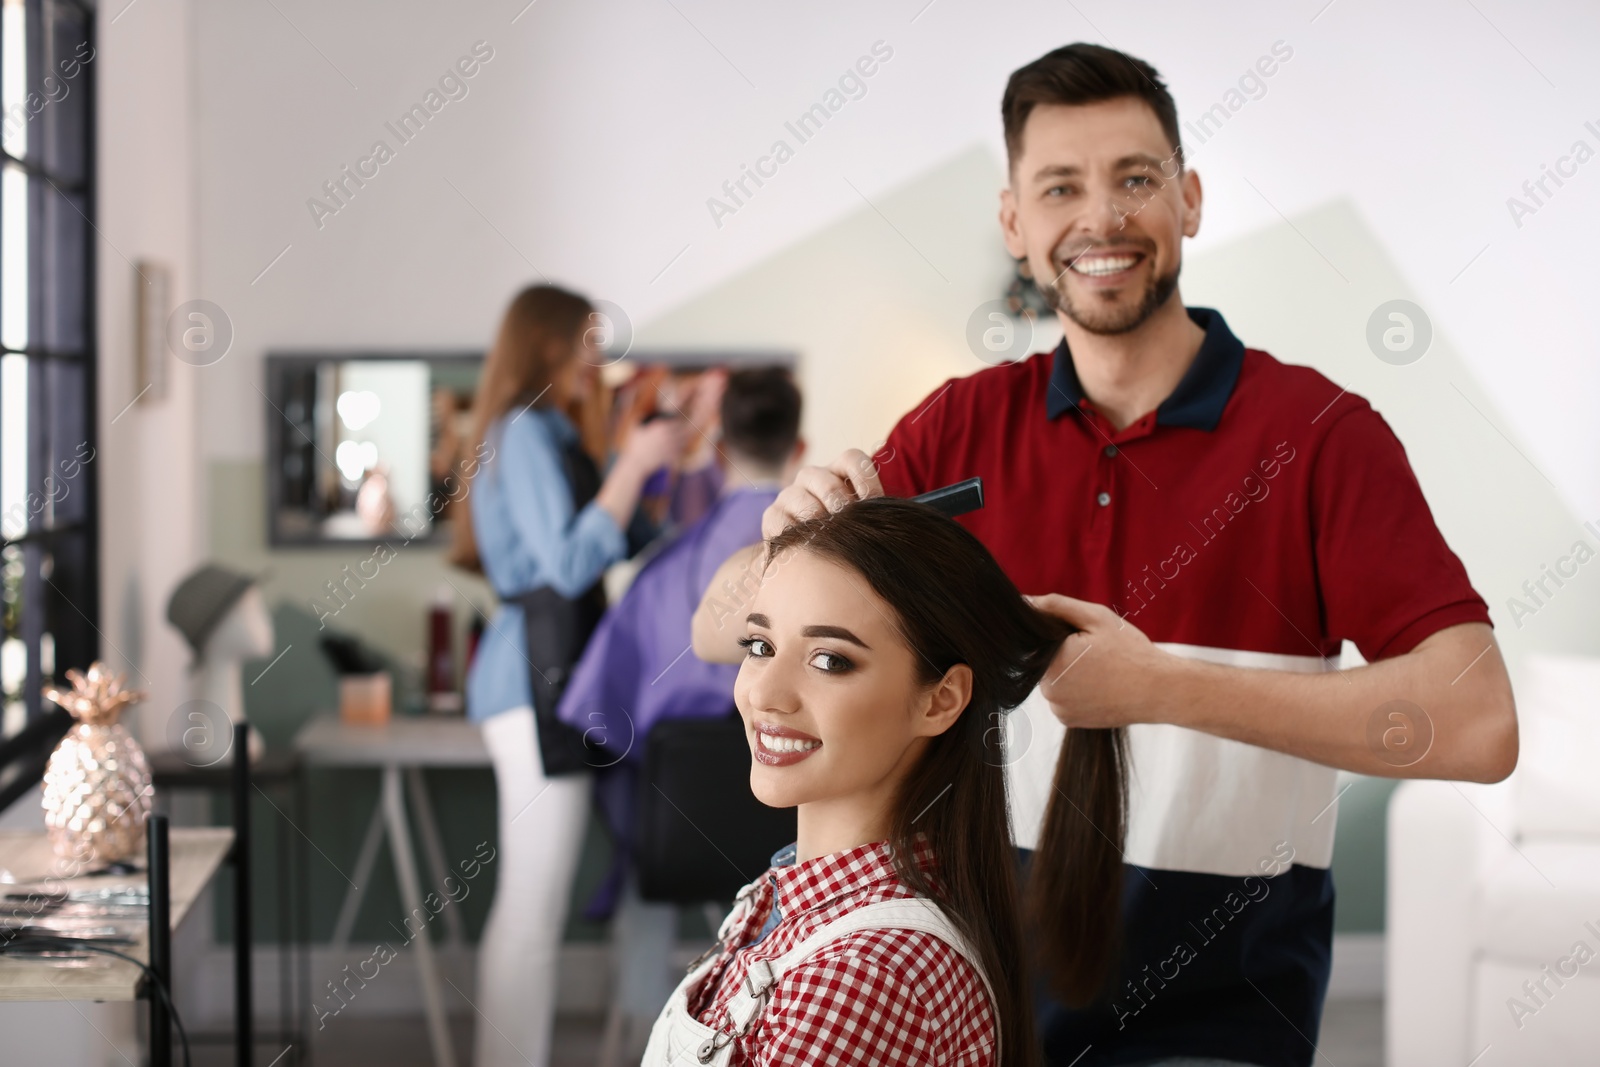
pixel 525 532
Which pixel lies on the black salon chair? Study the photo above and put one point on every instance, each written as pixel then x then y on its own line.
pixel 702 834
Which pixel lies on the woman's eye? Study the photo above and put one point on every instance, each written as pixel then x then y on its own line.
pixel 755 646
pixel 831 662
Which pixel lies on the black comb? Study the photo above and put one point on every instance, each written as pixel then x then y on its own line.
pixel 957 498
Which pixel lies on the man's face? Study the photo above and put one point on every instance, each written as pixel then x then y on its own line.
pixel 1099 207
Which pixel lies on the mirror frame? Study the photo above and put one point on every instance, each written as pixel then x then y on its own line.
pixel 279 428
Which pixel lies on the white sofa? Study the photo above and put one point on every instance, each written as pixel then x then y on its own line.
pixel 1493 926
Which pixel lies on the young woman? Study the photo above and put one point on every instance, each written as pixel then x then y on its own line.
pixel 882 648
pixel 538 518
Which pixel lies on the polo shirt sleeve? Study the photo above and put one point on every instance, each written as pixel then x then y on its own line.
pixel 1386 576
pixel 906 462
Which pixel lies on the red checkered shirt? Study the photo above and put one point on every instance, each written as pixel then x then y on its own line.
pixel 871 997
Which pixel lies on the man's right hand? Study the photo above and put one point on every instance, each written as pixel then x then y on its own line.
pixel 718 622
pixel 850 477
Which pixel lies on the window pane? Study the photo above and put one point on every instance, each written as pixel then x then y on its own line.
pixel 33 615
pixel 14 77
pixel 14 258
pixel 46 422
pixel 65 84
pixel 70 602
pixel 13 445
pixel 65 239
pixel 13 653
pixel 65 487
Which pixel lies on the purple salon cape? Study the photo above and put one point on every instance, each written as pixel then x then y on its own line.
pixel 638 668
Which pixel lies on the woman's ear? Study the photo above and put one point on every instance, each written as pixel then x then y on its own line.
pixel 948 699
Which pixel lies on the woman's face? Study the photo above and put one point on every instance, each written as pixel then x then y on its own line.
pixel 828 692
pixel 576 375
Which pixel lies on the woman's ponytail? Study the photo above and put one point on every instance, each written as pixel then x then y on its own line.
pixel 1073 898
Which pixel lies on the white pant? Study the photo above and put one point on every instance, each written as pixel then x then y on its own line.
pixel 542 825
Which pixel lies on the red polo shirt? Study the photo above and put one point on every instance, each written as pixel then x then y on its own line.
pixel 1258 507
pixel 1258 517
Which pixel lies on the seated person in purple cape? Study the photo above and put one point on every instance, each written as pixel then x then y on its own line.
pixel 637 668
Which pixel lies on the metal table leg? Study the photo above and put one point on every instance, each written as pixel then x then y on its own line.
pixel 365 860
pixel 405 869
pixel 433 848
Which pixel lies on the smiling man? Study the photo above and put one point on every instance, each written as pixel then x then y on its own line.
pixel 1216 523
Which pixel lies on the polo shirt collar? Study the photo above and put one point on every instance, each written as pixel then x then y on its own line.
pixel 1201 394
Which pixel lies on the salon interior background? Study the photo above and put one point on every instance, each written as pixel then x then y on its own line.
pixel 1378 160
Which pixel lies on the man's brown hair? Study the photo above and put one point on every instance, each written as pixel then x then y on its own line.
pixel 1084 74
pixel 761 414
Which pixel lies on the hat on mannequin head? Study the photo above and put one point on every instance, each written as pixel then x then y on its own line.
pixel 203 600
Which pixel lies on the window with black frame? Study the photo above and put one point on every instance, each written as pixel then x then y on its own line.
pixel 48 516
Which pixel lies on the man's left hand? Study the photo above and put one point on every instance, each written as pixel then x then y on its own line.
pixel 1103 675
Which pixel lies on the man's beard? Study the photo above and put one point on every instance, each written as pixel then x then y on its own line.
pixel 1115 319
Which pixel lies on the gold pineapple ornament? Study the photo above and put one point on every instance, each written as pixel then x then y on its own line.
pixel 97 785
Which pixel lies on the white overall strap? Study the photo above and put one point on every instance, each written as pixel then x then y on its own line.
pixel 736 915
pixel 741 901
pixel 909 913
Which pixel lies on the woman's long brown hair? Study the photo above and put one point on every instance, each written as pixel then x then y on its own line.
pixel 536 338
pixel 954 604
pixel 1074 895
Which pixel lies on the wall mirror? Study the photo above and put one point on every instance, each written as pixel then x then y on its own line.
pixel 359 445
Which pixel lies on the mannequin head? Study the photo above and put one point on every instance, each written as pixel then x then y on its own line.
pixel 245 632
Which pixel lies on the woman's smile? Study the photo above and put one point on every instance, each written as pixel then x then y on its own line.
pixel 827 671
pixel 780 746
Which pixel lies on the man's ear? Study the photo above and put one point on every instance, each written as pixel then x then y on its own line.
pixel 1191 202
pixel 948 699
pixel 1010 228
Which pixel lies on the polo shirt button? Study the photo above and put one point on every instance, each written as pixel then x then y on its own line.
pixel 1111 450
pixel 1103 499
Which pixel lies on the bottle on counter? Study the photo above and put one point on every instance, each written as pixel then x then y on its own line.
pixel 444 697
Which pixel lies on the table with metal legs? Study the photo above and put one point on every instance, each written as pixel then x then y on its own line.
pixel 401 749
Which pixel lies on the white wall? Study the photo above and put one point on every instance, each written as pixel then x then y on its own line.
pixel 151 452
pixel 589 144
